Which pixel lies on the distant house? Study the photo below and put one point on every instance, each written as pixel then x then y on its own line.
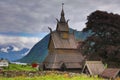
pixel 98 68
pixel 93 67
pixel 4 63
pixel 63 48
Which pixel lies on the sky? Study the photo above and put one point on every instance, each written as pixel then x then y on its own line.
pixel 25 22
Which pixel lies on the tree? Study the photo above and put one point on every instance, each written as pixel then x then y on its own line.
pixel 105 38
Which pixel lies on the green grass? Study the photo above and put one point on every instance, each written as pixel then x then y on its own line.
pixel 16 67
pixel 54 77
pixel 49 76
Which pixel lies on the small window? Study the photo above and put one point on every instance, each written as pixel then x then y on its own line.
pixel 4 64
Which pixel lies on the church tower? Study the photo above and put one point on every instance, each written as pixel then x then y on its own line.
pixel 62 48
pixel 62 26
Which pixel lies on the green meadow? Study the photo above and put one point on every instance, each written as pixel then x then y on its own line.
pixel 53 76
pixel 45 76
pixel 16 67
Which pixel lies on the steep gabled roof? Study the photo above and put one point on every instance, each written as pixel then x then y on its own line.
pixel 94 67
pixel 61 43
pixel 110 73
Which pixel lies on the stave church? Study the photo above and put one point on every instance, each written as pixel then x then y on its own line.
pixel 63 51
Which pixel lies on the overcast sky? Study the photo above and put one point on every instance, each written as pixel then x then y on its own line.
pixel 25 22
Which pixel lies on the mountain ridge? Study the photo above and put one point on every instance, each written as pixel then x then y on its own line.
pixel 11 53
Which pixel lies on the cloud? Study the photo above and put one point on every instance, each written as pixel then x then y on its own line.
pixel 19 42
pixel 23 16
pixel 5 49
pixel 33 16
pixel 22 20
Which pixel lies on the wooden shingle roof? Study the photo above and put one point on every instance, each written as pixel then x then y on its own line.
pixel 94 67
pixel 61 43
pixel 110 73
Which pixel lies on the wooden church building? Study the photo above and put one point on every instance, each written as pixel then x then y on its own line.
pixel 63 48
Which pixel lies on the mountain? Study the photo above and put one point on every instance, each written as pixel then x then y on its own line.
pixel 12 52
pixel 40 49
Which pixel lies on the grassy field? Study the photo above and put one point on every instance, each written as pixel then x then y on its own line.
pixel 50 75
pixel 16 67
pixel 53 76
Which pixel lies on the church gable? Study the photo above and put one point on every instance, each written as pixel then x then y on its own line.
pixel 61 43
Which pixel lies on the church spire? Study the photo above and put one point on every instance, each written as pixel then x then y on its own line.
pixel 62 25
pixel 62 19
